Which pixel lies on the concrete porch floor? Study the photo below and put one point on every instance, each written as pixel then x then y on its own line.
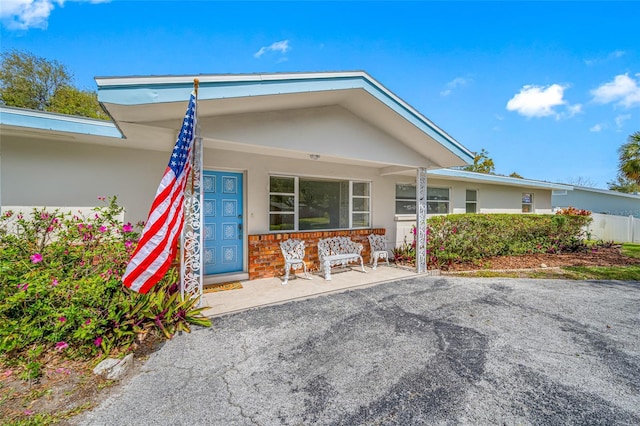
pixel 270 291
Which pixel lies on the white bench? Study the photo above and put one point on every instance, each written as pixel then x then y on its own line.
pixel 338 251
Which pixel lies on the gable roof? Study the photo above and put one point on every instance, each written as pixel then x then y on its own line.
pixel 152 102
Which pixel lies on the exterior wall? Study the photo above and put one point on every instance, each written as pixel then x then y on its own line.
pixel 599 202
pixel 63 173
pixel 257 169
pixel 66 174
pixel 491 199
pixel 328 131
pixel 266 259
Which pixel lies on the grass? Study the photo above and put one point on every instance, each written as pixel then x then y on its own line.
pixel 622 273
pixel 631 249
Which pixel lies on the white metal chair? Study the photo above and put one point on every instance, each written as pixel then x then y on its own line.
pixel 378 249
pixel 293 252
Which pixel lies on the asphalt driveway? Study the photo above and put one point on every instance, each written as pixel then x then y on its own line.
pixel 422 351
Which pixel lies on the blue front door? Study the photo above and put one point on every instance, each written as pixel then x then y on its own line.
pixel 223 222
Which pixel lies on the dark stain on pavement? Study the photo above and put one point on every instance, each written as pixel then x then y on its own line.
pixel 430 391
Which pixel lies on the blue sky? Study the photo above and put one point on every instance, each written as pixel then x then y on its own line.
pixel 549 89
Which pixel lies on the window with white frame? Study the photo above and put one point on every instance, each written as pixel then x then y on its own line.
pixel 471 203
pixel 405 198
pixel 527 202
pixel 437 199
pixel 301 203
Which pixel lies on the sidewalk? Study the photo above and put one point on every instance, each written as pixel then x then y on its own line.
pixel 270 291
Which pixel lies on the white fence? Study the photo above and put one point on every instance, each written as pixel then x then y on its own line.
pixel 621 229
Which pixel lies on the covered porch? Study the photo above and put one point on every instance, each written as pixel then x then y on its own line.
pixel 282 142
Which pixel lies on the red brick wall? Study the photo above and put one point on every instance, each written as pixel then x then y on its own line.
pixel 265 257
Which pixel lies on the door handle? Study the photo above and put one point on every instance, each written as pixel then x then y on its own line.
pixel 239 231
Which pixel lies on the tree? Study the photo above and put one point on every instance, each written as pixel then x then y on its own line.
pixel 481 163
pixel 629 156
pixel 69 100
pixel 580 181
pixel 29 81
pixel 623 184
pixel 516 175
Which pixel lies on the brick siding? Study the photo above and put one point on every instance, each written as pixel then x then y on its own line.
pixel 266 260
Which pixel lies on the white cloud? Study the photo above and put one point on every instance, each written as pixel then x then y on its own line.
pixel 622 89
pixel 454 84
pixel 597 128
pixel 541 101
pixel 25 14
pixel 620 120
pixel 279 46
pixel 611 56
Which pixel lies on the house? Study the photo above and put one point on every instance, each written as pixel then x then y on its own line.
pixel 306 155
pixel 598 201
pixel 459 191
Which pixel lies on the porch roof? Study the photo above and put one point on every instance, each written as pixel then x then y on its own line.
pixel 463 175
pixel 147 108
pixel 48 125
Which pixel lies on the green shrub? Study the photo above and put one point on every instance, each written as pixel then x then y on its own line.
pixel 472 237
pixel 61 289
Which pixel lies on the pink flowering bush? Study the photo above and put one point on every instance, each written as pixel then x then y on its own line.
pixel 61 289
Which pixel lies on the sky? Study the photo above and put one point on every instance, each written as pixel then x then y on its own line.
pixel 549 89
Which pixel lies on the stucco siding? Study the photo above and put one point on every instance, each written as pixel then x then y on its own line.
pixel 599 202
pixel 324 131
pixel 61 173
pixel 493 198
pixel 257 169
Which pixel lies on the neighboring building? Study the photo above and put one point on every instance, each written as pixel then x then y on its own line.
pixel 458 191
pixel 598 201
pixel 305 155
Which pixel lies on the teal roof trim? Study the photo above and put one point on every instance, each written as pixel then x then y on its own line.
pixel 31 119
pixel 496 179
pixel 151 90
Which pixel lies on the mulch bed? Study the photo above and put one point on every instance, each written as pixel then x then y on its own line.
pixel 602 256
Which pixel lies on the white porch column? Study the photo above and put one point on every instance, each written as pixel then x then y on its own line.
pixel 421 220
pixel 191 251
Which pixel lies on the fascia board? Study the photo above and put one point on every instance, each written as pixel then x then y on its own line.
pixel 57 122
pixel 607 192
pixel 494 179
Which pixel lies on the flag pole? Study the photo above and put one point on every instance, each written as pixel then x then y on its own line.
pixel 155 252
pixel 191 272
pixel 200 161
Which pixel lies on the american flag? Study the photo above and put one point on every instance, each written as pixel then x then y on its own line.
pixel 157 247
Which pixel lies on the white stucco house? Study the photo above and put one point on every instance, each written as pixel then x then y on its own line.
pixel 304 155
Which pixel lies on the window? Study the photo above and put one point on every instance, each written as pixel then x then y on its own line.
pixel 298 203
pixel 405 199
pixel 527 202
pixel 471 201
pixel 437 199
